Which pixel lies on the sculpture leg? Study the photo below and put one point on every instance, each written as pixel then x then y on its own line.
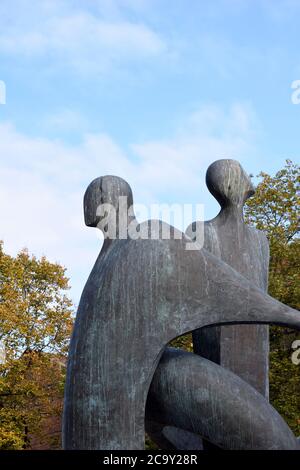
pixel 194 394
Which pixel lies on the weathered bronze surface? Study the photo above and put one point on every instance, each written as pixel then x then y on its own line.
pixel 141 294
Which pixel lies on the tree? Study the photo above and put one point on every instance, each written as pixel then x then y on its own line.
pixel 275 208
pixel 35 326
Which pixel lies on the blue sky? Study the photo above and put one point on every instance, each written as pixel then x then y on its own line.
pixel 150 90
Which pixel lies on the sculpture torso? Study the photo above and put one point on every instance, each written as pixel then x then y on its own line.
pixel 241 348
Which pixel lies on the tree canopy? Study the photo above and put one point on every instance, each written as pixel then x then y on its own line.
pixel 35 325
pixel 275 208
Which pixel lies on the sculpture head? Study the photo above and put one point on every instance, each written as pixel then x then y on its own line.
pixel 106 192
pixel 229 183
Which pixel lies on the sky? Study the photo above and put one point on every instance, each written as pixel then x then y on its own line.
pixel 149 90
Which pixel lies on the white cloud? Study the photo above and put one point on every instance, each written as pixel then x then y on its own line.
pixel 64 120
pixel 42 182
pixel 75 36
pixel 177 165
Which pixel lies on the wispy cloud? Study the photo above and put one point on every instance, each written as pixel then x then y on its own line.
pixel 76 37
pixel 64 121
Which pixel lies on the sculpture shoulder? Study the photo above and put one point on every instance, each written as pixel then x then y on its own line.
pixel 261 239
pixel 208 226
pixel 261 249
pixel 208 231
pixel 155 247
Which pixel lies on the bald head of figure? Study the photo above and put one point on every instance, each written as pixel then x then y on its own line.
pixel 108 192
pixel 229 183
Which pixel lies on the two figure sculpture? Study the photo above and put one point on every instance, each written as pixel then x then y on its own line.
pixel 143 292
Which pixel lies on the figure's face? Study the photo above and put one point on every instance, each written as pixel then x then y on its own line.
pixel 228 182
pixel 250 188
pixel 240 184
pixel 92 200
pixel 102 198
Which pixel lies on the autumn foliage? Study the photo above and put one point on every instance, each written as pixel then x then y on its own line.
pixel 275 208
pixel 35 325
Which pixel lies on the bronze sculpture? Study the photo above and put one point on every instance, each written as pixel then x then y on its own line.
pixel 142 293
